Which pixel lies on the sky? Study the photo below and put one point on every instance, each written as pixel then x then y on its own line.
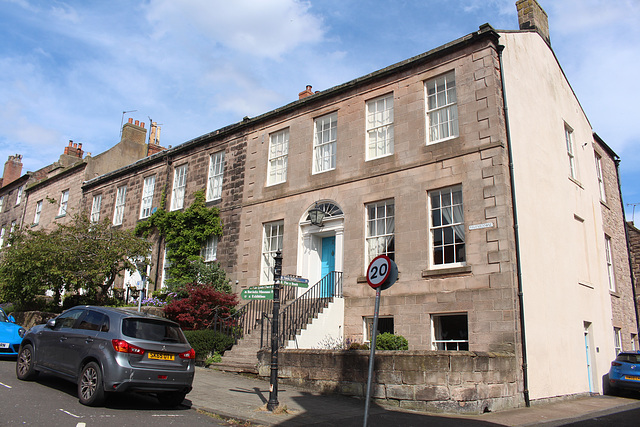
pixel 74 70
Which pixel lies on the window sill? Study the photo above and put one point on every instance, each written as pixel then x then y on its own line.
pixel 576 182
pixel 35 224
pixel 60 216
pixel 604 203
pixel 614 293
pixel 451 271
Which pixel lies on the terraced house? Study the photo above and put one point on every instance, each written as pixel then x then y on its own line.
pixel 474 167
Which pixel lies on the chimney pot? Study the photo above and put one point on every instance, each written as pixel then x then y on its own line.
pixel 70 142
pixel 137 123
pixel 305 93
pixel 131 120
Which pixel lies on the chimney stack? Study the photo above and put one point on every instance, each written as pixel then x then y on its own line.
pixel 154 140
pixel 532 17
pixel 74 150
pixel 12 169
pixel 305 93
pixel 134 131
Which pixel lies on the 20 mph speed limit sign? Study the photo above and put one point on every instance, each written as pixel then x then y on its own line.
pixel 378 271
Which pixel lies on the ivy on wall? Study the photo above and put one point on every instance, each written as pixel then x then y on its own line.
pixel 185 233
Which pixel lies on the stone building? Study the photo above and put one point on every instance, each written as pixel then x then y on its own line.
pixel 473 167
pixel 213 163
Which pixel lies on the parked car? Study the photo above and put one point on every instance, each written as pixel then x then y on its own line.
pixel 10 335
pixel 624 372
pixel 111 350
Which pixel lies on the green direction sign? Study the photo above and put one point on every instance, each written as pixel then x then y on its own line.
pixel 257 292
pixel 298 281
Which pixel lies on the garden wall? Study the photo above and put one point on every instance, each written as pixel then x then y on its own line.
pixel 442 381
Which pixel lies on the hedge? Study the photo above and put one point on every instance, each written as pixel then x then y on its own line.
pixel 208 341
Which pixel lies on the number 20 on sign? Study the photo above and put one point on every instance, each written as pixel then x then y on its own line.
pixel 378 271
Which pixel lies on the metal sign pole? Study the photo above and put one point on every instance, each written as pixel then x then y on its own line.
pixel 374 333
pixel 275 341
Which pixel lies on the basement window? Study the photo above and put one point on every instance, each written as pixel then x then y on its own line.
pixel 385 324
pixel 449 332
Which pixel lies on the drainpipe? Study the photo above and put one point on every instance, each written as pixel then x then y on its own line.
pixel 525 375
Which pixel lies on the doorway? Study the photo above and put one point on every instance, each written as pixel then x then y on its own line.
pixel 328 264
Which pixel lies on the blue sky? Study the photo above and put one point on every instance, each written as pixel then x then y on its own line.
pixel 68 69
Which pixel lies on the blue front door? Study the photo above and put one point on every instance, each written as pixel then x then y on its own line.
pixel 328 265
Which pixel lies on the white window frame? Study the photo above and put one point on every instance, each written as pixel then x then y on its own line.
pixel 278 157
pixel 442 108
pixel 603 196
pixel 11 230
pixel 570 145
pixel 179 186
pixel 447 344
pixel 118 210
pixel 617 340
pixel 1 202
pixel 19 194
pixel 36 216
pixel 380 127
pixel 609 258
pixel 272 238
pixel 96 204
pixel 367 327
pixel 146 202
pixel 209 251
pixel 380 230
pixel 448 215
pixel 2 231
pixel 216 174
pixel 325 139
pixel 64 201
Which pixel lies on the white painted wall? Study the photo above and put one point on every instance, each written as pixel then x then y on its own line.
pixel 560 224
pixel 327 327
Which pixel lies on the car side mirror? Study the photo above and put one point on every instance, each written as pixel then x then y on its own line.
pixel 11 319
pixel 51 323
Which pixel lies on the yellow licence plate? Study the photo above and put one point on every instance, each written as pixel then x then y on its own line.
pixel 161 356
pixel 632 377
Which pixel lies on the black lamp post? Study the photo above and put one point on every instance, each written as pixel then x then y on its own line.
pixel 272 404
pixel 316 215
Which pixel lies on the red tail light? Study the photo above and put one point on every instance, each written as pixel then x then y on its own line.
pixel 191 354
pixel 616 364
pixel 121 346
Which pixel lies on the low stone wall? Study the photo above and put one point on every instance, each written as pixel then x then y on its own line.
pixel 442 381
pixel 28 319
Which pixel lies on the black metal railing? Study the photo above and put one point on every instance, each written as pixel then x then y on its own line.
pixel 301 311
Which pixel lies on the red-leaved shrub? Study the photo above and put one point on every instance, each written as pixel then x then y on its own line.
pixel 199 309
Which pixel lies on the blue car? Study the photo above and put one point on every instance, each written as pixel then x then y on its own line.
pixel 10 335
pixel 625 372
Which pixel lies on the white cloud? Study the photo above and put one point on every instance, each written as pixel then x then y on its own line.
pixel 258 28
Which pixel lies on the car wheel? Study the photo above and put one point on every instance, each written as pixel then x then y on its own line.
pixel 90 390
pixel 24 366
pixel 171 398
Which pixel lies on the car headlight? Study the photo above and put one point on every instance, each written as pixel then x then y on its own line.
pixel 21 332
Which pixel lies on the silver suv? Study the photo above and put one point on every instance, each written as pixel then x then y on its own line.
pixel 110 350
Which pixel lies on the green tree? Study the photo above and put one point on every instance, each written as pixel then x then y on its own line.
pixel 185 233
pixel 73 256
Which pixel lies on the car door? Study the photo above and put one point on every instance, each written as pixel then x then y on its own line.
pixel 52 341
pixel 80 340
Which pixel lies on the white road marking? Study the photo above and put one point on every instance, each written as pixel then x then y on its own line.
pixel 69 413
pixel 7 386
pixel 81 425
pixel 167 415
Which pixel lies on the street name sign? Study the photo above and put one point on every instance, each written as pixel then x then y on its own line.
pixel 257 292
pixel 298 281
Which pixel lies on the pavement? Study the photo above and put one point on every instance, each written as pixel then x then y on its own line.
pixel 243 398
